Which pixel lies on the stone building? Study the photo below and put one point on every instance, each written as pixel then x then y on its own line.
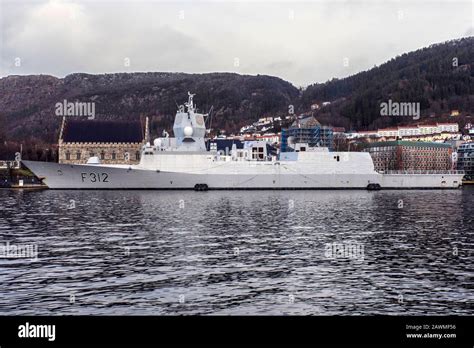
pixel 113 142
pixel 410 155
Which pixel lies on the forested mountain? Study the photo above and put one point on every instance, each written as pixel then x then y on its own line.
pixel 440 78
pixel 27 103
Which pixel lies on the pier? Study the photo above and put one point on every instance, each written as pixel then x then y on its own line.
pixel 13 176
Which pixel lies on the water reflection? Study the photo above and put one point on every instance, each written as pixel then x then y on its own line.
pixel 241 252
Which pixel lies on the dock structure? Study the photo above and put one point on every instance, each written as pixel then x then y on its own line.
pixel 13 176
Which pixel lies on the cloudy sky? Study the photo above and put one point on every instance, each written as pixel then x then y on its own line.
pixel 301 41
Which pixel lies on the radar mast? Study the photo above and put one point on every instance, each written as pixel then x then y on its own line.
pixel 189 104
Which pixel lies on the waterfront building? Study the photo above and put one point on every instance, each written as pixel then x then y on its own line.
pixel 264 121
pixel 338 130
pixel 466 159
pixel 271 138
pixel 410 155
pixel 306 130
pixel 370 134
pixel 113 142
pixel 388 132
pixel 427 132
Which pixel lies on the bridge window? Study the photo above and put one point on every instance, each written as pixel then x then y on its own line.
pixel 258 153
pixel 68 155
pixel 78 155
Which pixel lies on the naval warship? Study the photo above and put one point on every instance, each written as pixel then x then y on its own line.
pixel 184 162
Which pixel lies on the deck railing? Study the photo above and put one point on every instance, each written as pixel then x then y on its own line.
pixel 422 172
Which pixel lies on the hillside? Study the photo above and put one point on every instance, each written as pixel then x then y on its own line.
pixel 430 76
pixel 27 103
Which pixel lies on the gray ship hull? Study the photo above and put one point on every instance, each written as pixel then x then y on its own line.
pixel 67 176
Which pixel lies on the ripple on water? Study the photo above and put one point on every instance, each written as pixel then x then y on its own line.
pixel 139 252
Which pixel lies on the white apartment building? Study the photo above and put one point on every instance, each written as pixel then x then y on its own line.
pixel 448 127
pixel 388 132
pixel 407 131
pixel 264 120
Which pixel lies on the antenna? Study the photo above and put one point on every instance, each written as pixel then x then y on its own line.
pixel 209 114
pixel 189 104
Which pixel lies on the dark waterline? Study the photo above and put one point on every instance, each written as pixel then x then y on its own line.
pixel 238 252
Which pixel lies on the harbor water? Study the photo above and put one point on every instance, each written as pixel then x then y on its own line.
pixel 340 252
